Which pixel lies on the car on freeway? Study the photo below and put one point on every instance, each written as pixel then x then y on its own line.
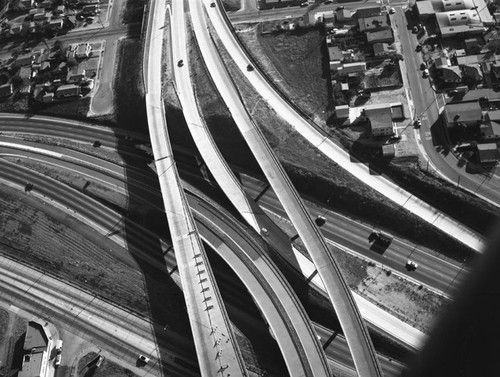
pixel 99 361
pixel 426 73
pixel 249 68
pixel 264 232
pixel 304 4
pixel 320 220
pixel 212 5
pixel 411 265
pixel 143 359
pixel 180 63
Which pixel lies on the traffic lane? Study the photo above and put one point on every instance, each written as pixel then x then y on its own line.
pixel 436 271
pixel 346 236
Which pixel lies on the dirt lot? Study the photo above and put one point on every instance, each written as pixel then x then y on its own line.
pixel 298 63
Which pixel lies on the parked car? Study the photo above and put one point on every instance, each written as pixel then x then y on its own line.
pixel 417 124
pixel 423 66
pixel 426 73
pixel 57 361
pixel 415 29
pixel 143 359
pixel 392 10
pixel 418 48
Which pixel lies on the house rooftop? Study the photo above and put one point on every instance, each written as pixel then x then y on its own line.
pixel 462 112
pixel 373 22
pixel 335 53
pixel 381 35
pixel 478 94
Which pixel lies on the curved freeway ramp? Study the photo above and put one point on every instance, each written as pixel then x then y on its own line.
pixel 197 127
pixel 322 141
pixel 354 328
pixel 216 347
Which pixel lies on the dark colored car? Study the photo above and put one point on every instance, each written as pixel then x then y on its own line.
pixel 180 63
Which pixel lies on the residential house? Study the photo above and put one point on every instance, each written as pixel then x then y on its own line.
pixel 486 96
pixel 487 153
pixel 336 57
pixel 354 67
pixel 26 4
pixel 473 72
pixel 343 15
pixel 23 60
pixel 380 118
pixel 46 4
pixel 368 11
pixel 449 74
pixel 68 90
pixel 76 75
pixel 468 114
pixel 381 36
pixel 56 24
pixel 25 73
pixel 17 29
pixel 83 51
pixel 342 111
pixel 382 50
pixel 6 90
pixel 48 97
pixel 90 10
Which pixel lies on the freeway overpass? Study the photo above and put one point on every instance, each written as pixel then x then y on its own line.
pixel 354 328
pixel 218 352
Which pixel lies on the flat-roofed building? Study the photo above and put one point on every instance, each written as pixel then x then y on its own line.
pixel 36 357
pixel 373 23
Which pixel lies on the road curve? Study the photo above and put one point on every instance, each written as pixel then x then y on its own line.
pixel 248 258
pixel 216 346
pixel 319 139
pixel 340 296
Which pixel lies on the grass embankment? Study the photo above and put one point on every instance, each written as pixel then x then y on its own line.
pixel 315 176
pixel 86 367
pixel 133 11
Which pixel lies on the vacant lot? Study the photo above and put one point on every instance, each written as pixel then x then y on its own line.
pixel 298 63
pixel 86 368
